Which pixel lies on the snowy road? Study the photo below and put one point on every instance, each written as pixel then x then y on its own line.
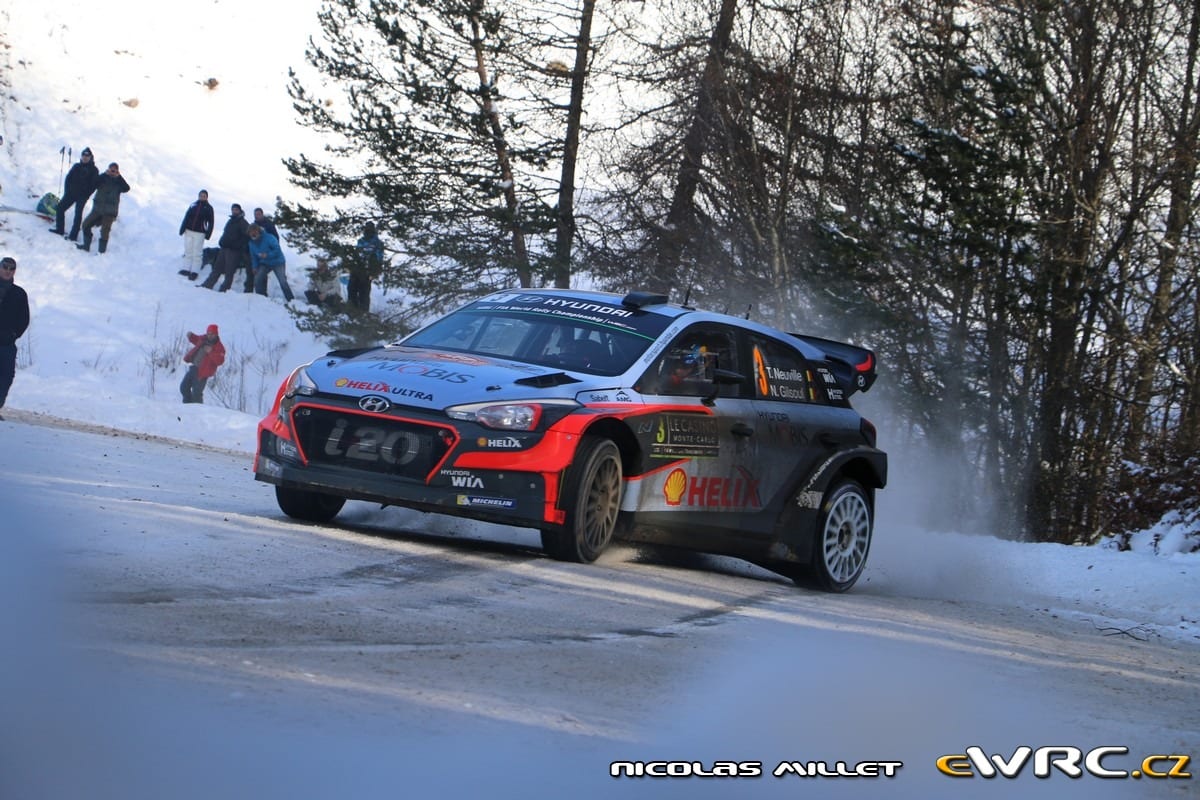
pixel 170 634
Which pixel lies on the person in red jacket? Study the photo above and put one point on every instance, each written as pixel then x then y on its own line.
pixel 206 355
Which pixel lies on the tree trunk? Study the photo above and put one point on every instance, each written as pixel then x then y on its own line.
pixel 679 225
pixel 1182 183
pixel 565 232
pixel 511 203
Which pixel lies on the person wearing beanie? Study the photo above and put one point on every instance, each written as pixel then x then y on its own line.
pixel 206 355
pixel 233 253
pixel 14 319
pixel 109 188
pixel 77 188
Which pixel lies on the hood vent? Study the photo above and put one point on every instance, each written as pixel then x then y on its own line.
pixel 343 354
pixel 547 380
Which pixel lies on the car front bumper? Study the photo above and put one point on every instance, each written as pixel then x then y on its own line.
pixel 505 496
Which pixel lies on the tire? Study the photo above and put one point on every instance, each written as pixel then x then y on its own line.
pixel 842 539
pixel 308 506
pixel 592 492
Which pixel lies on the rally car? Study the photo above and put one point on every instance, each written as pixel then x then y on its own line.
pixel 593 416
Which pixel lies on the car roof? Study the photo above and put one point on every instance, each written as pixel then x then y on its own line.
pixel 660 304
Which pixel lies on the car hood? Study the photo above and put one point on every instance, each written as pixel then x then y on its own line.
pixel 435 379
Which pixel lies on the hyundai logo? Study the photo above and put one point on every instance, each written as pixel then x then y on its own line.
pixel 374 403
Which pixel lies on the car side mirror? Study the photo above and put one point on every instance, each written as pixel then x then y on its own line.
pixel 722 377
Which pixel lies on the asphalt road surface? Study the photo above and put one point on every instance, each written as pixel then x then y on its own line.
pixel 168 633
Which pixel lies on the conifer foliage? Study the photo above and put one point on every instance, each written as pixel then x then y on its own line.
pixel 998 197
pixel 443 130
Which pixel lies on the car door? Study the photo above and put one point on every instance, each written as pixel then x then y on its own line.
pixel 698 437
pixel 796 425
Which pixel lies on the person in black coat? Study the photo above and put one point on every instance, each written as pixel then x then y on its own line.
pixel 266 223
pixel 77 188
pixel 105 205
pixel 14 319
pixel 196 229
pixel 234 244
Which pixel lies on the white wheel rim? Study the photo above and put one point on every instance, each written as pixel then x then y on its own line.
pixel 847 536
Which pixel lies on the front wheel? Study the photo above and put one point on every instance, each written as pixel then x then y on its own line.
pixel 843 537
pixel 308 506
pixel 592 493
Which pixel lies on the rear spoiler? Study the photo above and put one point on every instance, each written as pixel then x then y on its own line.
pixel 853 366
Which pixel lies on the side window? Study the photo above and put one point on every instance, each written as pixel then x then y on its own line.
pixel 781 373
pixel 686 366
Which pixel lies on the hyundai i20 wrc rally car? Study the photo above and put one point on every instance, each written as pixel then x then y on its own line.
pixel 591 416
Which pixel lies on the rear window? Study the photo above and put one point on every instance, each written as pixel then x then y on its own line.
pixel 782 374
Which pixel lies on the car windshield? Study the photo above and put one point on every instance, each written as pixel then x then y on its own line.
pixel 546 337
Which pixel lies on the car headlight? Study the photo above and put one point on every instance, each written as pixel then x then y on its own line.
pixel 515 416
pixel 299 383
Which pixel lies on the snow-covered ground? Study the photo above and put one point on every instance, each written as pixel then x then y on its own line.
pixel 107 338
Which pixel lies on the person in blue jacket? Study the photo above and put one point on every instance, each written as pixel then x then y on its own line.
pixel 80 183
pixel 266 257
pixel 365 267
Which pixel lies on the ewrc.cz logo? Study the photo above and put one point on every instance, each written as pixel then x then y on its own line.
pixel 752 769
pixel 1071 761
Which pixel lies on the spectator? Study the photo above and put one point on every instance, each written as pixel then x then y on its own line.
pixel 77 188
pixel 324 288
pixel 208 258
pixel 266 223
pixel 266 257
pixel 14 319
pixel 196 229
pixel 366 267
pixel 206 355
pixel 234 242
pixel 104 207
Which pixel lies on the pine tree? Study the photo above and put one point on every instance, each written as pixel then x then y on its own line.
pixel 962 245
pixel 444 131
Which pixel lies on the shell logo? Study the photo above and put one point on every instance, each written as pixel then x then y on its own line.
pixel 675 486
pixel 341 382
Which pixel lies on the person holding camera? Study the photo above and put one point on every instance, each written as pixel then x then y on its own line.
pixel 206 355
pixel 109 188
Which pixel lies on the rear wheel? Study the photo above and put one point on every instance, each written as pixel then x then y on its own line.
pixel 592 494
pixel 308 506
pixel 843 537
